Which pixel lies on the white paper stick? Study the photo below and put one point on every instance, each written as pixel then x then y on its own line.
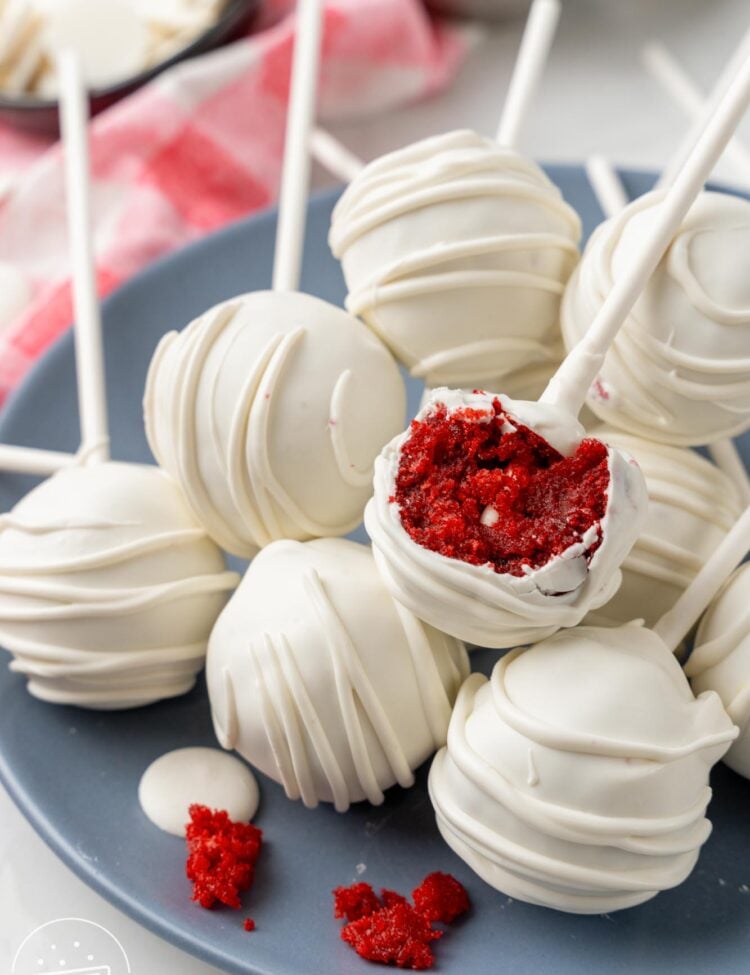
pixel 295 176
pixel 727 458
pixel 568 387
pixel 607 185
pixel 667 72
pixel 92 394
pixel 33 460
pixel 677 622
pixel 536 42
pixel 334 156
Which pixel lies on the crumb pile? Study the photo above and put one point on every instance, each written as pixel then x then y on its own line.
pixel 390 930
pixel 221 857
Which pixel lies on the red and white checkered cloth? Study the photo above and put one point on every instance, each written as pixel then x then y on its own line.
pixel 198 147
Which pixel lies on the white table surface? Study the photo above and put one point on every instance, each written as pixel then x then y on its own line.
pixel 595 98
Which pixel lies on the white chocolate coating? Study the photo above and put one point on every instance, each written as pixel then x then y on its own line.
pixel 577 776
pixel 679 369
pixel 720 660
pixel 691 507
pixel 207 776
pixel 319 679
pixel 109 587
pixel 474 602
pixel 456 252
pixel 269 411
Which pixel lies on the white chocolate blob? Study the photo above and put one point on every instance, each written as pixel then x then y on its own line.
pixel 691 507
pixel 720 660
pixel 207 776
pixel 679 369
pixel 109 587
pixel 269 411
pixel 577 776
pixel 456 252
pixel 324 683
pixel 476 603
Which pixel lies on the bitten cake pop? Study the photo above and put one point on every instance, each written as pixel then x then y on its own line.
pixel 109 586
pixel 269 409
pixel 679 370
pixel 458 228
pixel 322 681
pixel 720 660
pixel 691 506
pixel 497 520
pixel 577 776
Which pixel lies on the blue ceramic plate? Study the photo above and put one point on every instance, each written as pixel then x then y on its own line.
pixel 74 773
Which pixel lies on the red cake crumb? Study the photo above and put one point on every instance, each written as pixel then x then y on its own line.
pixel 391 897
pixel 441 897
pixel 456 465
pixel 389 930
pixel 221 856
pixel 249 924
pixel 355 902
pixel 396 934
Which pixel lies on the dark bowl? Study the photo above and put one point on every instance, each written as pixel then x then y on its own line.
pixel 40 115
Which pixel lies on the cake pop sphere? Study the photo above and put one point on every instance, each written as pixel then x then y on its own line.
pixel 319 679
pixel 577 776
pixel 456 252
pixel 691 507
pixel 679 369
pixel 269 411
pixel 720 660
pixel 109 587
pixel 498 521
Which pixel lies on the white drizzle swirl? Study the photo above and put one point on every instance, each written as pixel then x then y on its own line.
pixel 269 410
pixel 321 681
pixel 679 369
pixel 454 231
pixel 108 587
pixel 615 809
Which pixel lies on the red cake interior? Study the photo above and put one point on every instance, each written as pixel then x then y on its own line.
pixel 470 491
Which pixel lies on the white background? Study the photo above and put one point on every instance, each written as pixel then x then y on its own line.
pixel 596 98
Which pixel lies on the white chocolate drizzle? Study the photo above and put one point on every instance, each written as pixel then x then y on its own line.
pixel 239 403
pixel 329 733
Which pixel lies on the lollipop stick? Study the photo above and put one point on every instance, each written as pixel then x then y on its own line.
pixel 92 397
pixel 606 184
pixel 32 460
pixel 536 42
pixel 668 73
pixel 295 174
pixel 334 156
pixel 688 609
pixel 568 387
